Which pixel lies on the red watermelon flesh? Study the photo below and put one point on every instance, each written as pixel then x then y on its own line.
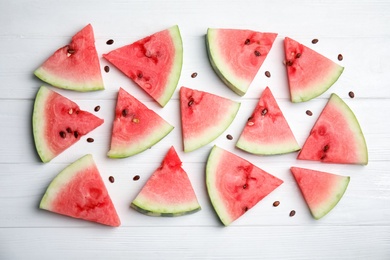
pixel 336 137
pixel 58 123
pixel 237 55
pixel 135 128
pixel 321 190
pixel 204 116
pixel 267 131
pixel 154 63
pixel 235 185
pixel 168 192
pixel 79 192
pixel 75 66
pixel 309 73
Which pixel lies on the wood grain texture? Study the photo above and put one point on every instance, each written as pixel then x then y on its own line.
pixel 359 226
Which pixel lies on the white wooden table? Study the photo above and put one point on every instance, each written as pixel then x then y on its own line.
pixel 358 228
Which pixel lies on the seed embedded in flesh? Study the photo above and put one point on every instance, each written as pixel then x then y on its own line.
pixel 264 112
pixel 268 74
pixel 62 134
pixel 111 179
pixel 292 213
pixel 90 140
pixel 250 123
pixel 70 111
pixel 309 113
pixel 125 112
pixel 106 69
pixel 136 178
pixel 71 51
pixel 140 75
pixel 229 137
pixel 193 75
pixel 191 102
pixel 246 209
pixel 110 41
pixel 289 63
pixel 351 94
pixel 68 130
pixel 298 55
pixel 340 57
pixel 76 134
pixel 276 203
pixel 245 186
pixel 97 108
pixel 247 41
pixel 257 53
pixel 314 41
pixel 326 148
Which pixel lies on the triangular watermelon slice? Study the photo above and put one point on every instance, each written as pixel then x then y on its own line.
pixel 79 192
pixel 237 55
pixel 336 137
pixel 58 123
pixel 75 66
pixel 135 128
pixel 267 131
pixel 204 116
pixel 235 185
pixel 309 73
pixel 154 63
pixel 168 192
pixel 321 190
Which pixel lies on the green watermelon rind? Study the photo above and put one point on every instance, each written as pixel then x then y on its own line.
pixel 212 133
pixel 271 149
pixel 325 208
pixel 58 82
pixel 174 76
pixel 39 124
pixel 320 87
pixel 148 141
pixel 62 179
pixel 240 87
pixel 148 208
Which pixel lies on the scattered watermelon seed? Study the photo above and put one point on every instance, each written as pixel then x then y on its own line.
pixel 97 108
pixel 309 113
pixel 62 134
pixel 340 57
pixel 264 112
pixel 257 53
pixel 106 69
pixel 229 137
pixel 298 55
pixel 292 213
pixel 268 74
pixel 136 178
pixel 68 130
pixel 276 203
pixel 247 41
pixel 193 75
pixel 314 41
pixel 76 134
pixel 110 41
pixel 351 94
pixel 90 140
pixel 125 112
pixel 111 179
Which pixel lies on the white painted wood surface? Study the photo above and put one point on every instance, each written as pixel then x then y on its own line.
pixel 358 228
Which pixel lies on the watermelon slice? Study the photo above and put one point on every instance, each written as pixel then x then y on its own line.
pixel 154 63
pixel 309 73
pixel 237 55
pixel 58 123
pixel 168 192
pixel 135 128
pixel 74 66
pixel 204 116
pixel 336 137
pixel 235 185
pixel 79 192
pixel 321 190
pixel 267 131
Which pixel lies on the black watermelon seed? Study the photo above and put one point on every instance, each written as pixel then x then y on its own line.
pixel 191 102
pixel 351 94
pixel 314 41
pixel 90 140
pixel 264 112
pixel 230 137
pixel 289 63
pixel 309 113
pixel 97 108
pixel 136 178
pixel 292 213
pixel 71 51
pixel 257 53
pixel 340 57
pixel 298 55
pixel 110 41
pixel 247 41
pixel 193 75
pixel 62 134
pixel 111 179
pixel 68 130
pixel 268 74
pixel 106 69
pixel 276 203
pixel 326 148
pixel 76 134
pixel 125 112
